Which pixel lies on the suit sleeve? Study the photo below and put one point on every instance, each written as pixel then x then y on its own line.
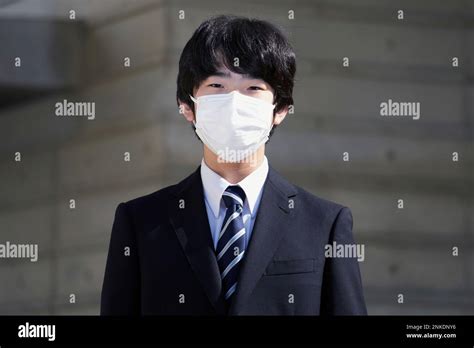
pixel 121 287
pixel 342 292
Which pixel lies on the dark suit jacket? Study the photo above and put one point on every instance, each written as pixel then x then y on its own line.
pixel 171 268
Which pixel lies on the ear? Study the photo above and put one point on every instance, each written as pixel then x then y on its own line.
pixel 280 116
pixel 186 111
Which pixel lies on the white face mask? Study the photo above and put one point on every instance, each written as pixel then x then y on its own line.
pixel 233 125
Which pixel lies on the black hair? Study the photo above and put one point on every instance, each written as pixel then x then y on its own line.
pixel 262 49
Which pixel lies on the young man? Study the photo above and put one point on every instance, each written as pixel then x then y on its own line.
pixel 234 237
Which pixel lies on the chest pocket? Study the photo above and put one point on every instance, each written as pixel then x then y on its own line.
pixel 290 266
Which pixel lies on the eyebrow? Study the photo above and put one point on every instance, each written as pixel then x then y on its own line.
pixel 227 74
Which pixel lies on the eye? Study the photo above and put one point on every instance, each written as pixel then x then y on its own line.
pixel 256 88
pixel 215 85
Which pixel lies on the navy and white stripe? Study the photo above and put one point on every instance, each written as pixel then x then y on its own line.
pixel 231 244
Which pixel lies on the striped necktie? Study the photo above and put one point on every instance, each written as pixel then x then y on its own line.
pixel 230 246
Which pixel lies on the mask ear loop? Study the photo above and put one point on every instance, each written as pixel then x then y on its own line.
pixel 273 118
pixel 195 102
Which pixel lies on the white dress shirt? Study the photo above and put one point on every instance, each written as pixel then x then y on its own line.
pixel 214 186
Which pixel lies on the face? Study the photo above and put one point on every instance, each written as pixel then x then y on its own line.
pixel 226 81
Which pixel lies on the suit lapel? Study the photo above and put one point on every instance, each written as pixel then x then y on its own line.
pixel 273 220
pixel 190 222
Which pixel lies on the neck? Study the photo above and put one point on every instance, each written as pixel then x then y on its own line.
pixel 234 172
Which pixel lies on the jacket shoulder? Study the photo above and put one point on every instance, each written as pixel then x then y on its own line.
pixel 322 210
pixel 313 205
pixel 158 200
pixel 333 218
pixel 318 202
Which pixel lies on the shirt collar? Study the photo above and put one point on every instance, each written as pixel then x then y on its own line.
pixel 214 185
